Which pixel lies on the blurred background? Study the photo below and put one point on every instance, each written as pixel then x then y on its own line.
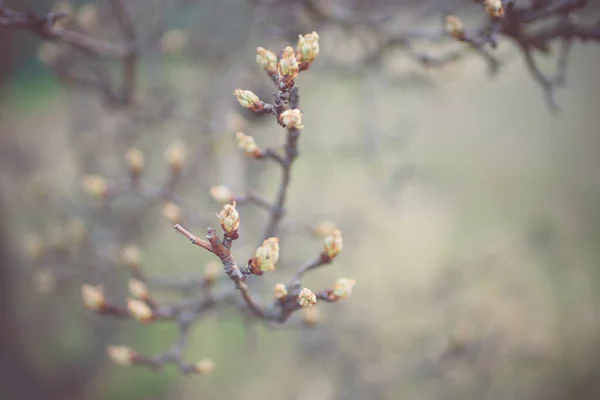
pixel 468 209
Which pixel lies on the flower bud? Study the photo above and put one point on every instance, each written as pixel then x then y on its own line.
pixel 292 118
pixel 247 144
pixel 306 298
pixel 266 256
pixel 204 366
pixel 287 67
pixel 95 185
pixel 121 355
pixel 246 98
pixel 131 256
pixel 139 289
pixel 221 194
pixel 173 41
pixel 175 156
pixel 173 212
pixel 135 161
pixel 343 287
pixel 494 8
pixel 229 218
pixel 334 244
pixel 455 27
pixel 280 291
pixel 266 59
pixel 139 310
pixel 308 47
pixel 93 297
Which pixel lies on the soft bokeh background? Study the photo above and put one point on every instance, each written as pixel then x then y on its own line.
pixel 469 215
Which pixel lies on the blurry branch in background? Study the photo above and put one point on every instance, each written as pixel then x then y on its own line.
pixel 558 23
pixel 52 28
pixel 202 294
pixel 535 26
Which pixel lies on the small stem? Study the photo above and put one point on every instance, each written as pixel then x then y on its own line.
pixel 194 239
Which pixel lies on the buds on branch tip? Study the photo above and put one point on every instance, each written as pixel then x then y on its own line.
pixel 140 310
pixel 135 161
pixel 248 99
pixel 455 27
pixel 280 291
pixel 308 47
pixel 292 118
pixel 121 355
pixel 306 298
pixel 266 59
pixel 248 145
pixel 93 297
pixel 139 290
pixel 343 287
pixel 333 244
pixel 221 194
pixel 204 366
pixel 266 256
pixel 95 186
pixel 287 66
pixel 494 8
pixel 175 156
pixel 229 218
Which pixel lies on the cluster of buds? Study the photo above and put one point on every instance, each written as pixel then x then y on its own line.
pixel 265 257
pixel 221 194
pixel 342 288
pixel 249 100
pixel 308 49
pixel 334 243
pixel 229 218
pixel 291 119
pixel 248 145
pixel 287 67
pixel 95 186
pixel 266 59
pixel 306 298
pixel 494 8
pixel 175 157
pixel 455 27
pixel 135 162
